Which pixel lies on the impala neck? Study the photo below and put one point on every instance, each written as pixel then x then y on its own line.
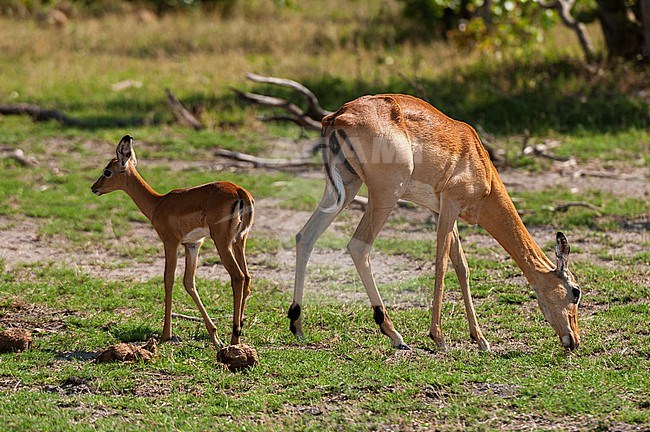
pixel 500 218
pixel 141 193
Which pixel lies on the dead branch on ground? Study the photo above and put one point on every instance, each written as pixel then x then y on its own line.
pixel 308 119
pixel 39 114
pixel 564 207
pixel 266 162
pixel 183 116
pixel 186 317
pixel 27 161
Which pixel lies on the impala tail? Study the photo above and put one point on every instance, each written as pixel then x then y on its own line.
pixel 244 208
pixel 332 156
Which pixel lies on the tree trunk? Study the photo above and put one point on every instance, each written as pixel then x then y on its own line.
pixel 645 21
pixel 623 37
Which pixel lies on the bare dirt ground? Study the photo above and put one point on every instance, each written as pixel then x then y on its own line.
pixel 20 242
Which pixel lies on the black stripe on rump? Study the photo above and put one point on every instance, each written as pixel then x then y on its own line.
pixel 349 143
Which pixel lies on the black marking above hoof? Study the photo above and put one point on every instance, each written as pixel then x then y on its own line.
pixel 293 328
pixel 236 331
pixel 403 347
pixel 294 312
pixel 378 314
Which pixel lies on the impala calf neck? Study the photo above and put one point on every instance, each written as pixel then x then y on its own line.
pixel 402 147
pixel 221 210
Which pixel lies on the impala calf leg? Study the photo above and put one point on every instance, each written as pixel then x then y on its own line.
pixel 171 249
pixel 239 249
pixel 359 247
pixel 236 281
pixel 305 241
pixel 461 268
pixel 191 261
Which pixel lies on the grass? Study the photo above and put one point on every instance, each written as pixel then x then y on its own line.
pixel 345 371
pixel 345 375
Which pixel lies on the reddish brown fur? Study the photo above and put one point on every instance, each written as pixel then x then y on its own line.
pixel 402 147
pixel 185 217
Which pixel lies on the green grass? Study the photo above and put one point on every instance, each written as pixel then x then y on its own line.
pixel 345 371
pixel 345 375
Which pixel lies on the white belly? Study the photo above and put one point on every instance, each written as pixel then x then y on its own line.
pixel 195 236
pixel 422 194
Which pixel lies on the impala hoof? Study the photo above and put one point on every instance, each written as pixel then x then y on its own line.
pixel 403 347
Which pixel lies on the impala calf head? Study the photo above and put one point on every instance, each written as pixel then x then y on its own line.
pixel 560 296
pixel 114 178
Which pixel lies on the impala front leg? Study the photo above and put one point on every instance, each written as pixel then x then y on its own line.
pixel 444 234
pixel 170 270
pixel 457 257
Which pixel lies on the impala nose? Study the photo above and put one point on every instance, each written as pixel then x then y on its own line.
pixel 95 191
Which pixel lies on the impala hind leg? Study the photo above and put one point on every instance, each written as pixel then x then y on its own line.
pixel 239 249
pixel 191 261
pixel 305 241
pixel 224 246
pixel 359 247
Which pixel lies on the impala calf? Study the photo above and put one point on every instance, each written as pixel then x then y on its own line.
pixel 221 210
pixel 402 147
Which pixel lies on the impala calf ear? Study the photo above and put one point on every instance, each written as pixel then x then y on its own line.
pixel 562 250
pixel 125 152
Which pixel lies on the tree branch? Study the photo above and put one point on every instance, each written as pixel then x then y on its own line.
pixel 563 8
pixel 38 114
pixel 265 162
pixel 314 110
pixel 182 115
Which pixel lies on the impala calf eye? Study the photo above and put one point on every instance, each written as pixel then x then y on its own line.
pixel 107 173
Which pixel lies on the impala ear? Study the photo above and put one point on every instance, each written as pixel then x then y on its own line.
pixel 562 250
pixel 125 152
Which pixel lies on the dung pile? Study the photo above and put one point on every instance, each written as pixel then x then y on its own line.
pixel 124 352
pixel 15 339
pixel 238 357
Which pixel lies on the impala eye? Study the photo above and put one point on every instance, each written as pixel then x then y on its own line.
pixel 108 173
pixel 576 295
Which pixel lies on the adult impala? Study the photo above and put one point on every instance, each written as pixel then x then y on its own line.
pixel 221 210
pixel 402 147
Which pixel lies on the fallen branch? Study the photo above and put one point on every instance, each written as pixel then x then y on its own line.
pixel 182 115
pixel 607 175
pixel 186 317
pixel 38 114
pixel 19 156
pixel 266 162
pixel 296 114
pixel 308 119
pixel 314 110
pixel 540 150
pixel 564 207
